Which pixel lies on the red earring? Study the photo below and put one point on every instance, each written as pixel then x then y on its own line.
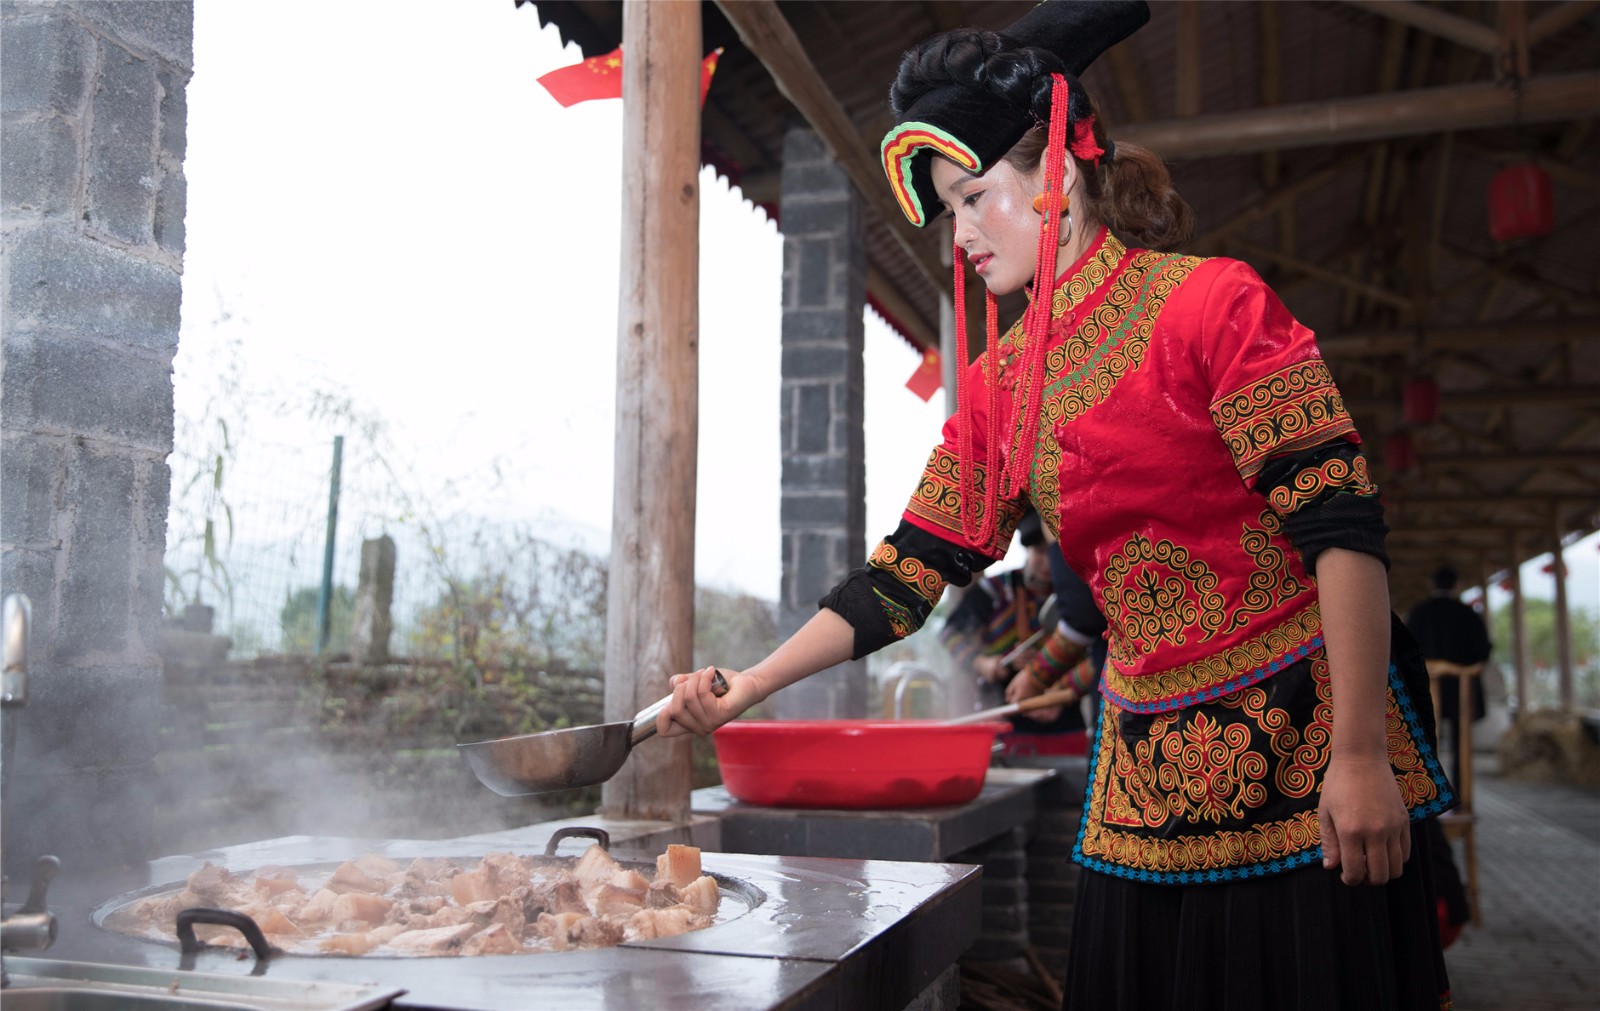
pixel 1038 204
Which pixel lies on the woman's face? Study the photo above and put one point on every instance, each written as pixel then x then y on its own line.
pixel 995 222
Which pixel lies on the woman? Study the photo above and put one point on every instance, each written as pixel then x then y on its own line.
pixel 1261 755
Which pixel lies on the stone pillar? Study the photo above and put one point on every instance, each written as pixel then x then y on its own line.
pixel 92 199
pixel 824 465
pixel 371 623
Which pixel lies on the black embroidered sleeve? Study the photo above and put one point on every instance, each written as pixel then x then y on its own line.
pixel 1326 499
pixel 892 595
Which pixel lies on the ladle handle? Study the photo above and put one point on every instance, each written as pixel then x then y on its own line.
pixel 644 724
pixel 1060 696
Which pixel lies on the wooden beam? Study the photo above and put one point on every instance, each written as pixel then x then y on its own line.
pixel 1560 171
pixel 1189 81
pixel 1491 499
pixel 1548 458
pixel 1534 395
pixel 649 614
pixel 1130 83
pixel 1521 276
pixel 1404 114
pixel 1271 95
pixel 1434 21
pixel 1511 25
pixel 762 27
pixel 1558 19
pixel 1271 202
pixel 1376 292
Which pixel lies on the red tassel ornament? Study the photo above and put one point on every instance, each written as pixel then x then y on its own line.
pixel 1010 462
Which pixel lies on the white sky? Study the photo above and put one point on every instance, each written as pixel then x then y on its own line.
pixel 398 209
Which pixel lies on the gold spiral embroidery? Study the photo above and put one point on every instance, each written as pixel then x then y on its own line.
pixel 1295 631
pixel 1333 475
pixel 1154 592
pixel 925 581
pixel 1294 408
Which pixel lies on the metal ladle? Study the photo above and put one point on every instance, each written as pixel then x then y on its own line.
pixel 564 759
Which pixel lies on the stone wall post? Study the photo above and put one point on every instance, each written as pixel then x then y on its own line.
pixel 92 200
pixel 371 624
pixel 824 467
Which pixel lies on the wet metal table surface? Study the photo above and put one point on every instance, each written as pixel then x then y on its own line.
pixel 825 933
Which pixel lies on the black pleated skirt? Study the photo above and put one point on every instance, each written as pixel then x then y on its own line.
pixel 1297 941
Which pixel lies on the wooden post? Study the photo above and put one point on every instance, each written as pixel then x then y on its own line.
pixel 1519 633
pixel 1558 569
pixel 650 600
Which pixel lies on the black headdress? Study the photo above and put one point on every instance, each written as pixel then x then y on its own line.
pixel 970 95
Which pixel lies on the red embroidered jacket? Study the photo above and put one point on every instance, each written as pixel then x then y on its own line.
pixel 1173 384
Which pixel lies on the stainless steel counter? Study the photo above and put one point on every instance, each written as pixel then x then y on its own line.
pixel 826 933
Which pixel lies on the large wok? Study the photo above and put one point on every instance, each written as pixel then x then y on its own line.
pixel 564 759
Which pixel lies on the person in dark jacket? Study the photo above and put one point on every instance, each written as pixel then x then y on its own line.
pixel 1447 629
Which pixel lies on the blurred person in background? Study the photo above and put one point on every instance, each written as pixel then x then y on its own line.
pixel 1449 630
pixel 996 615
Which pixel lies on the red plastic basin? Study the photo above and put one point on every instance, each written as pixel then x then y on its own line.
pixel 854 763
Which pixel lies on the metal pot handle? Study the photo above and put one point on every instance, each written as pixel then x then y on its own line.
pixel 599 835
pixel 187 918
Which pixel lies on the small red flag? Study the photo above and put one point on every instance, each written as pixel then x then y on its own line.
pixel 601 77
pixel 925 382
pixel 708 66
pixel 596 77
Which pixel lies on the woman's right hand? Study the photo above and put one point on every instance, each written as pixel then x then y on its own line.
pixel 696 709
pixel 1023 686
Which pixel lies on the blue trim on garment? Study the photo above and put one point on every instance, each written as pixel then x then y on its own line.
pixel 1307 856
pixel 1430 760
pixel 1215 692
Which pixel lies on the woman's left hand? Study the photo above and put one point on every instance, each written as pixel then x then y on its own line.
pixel 1366 831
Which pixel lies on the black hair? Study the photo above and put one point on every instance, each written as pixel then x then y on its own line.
pixel 1031 529
pixel 1444 578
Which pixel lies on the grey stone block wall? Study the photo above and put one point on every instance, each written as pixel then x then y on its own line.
pixel 1052 876
pixel 92 138
pixel 824 458
pixel 1004 931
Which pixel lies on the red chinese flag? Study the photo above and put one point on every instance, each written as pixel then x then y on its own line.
pixel 601 77
pixel 596 77
pixel 708 66
pixel 925 382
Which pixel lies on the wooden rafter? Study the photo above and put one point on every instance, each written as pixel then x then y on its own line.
pixel 1273 201
pixel 765 31
pixel 1130 84
pixel 1532 395
pixel 1405 114
pixel 1377 293
pixel 1189 80
pixel 1434 20
pixel 1558 19
pixel 1513 273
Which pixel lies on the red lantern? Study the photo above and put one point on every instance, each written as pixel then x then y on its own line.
pixel 1521 203
pixel 1399 453
pixel 1419 401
